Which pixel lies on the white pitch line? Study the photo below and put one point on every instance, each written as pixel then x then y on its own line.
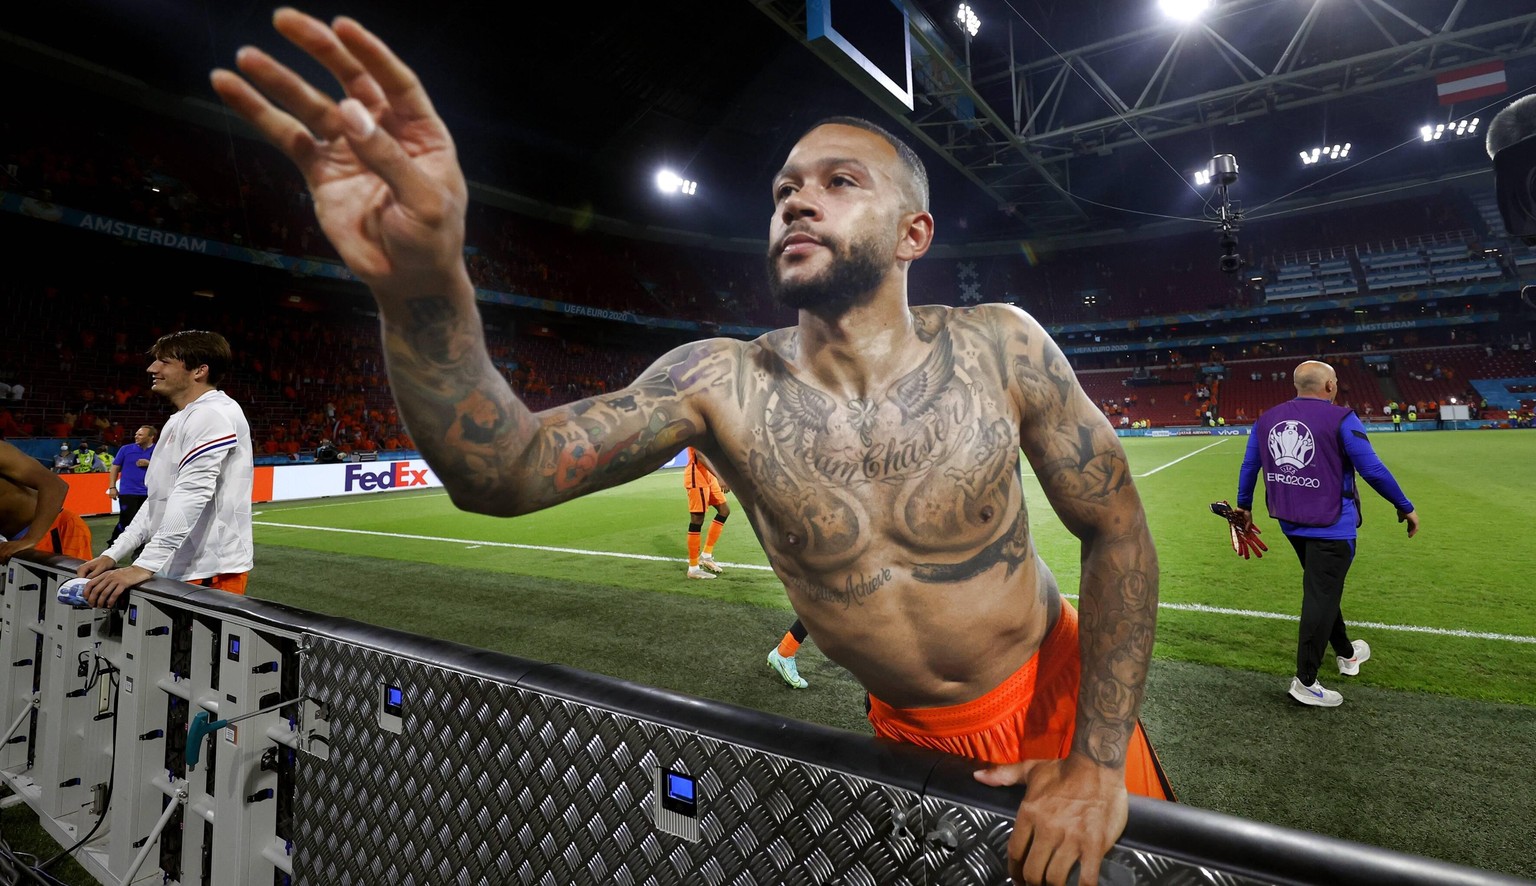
pixel 1181 607
pixel 501 544
pixel 1182 457
pixel 360 499
pixel 1411 629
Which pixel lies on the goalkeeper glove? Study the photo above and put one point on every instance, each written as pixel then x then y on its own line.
pixel 1245 538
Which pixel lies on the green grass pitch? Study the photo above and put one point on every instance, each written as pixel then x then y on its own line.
pixel 1431 753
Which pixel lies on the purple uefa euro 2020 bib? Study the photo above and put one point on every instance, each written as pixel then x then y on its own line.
pixel 1303 463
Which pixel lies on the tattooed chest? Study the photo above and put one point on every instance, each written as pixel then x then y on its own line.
pixel 833 483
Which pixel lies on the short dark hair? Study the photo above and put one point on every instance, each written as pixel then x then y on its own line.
pixel 194 348
pixel 915 169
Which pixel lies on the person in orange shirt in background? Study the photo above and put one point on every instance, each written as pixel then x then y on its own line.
pixel 32 511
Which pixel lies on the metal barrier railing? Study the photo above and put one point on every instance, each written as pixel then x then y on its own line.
pixel 196 737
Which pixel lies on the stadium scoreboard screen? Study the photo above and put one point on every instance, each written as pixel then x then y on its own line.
pixel 872 35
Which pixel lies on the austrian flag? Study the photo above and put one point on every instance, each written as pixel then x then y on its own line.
pixel 1466 84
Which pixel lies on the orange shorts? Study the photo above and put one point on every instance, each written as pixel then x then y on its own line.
pixel 1029 716
pixel 229 582
pixel 705 495
pixel 68 536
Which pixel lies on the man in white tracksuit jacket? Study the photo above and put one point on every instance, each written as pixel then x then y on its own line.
pixel 196 524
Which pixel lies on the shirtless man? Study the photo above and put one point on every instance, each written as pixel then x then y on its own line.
pixel 32 511
pixel 874 446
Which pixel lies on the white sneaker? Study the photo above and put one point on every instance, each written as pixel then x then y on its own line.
pixel 698 572
pixel 1349 667
pixel 708 562
pixel 786 668
pixel 1315 694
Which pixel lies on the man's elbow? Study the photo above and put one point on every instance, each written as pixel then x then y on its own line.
pixel 55 485
pixel 479 501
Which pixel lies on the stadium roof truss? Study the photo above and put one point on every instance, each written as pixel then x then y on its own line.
pixel 1014 131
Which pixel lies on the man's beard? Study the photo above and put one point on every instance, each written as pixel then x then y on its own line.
pixel 852 278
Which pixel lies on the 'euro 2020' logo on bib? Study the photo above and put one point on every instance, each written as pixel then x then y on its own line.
pixel 1291 446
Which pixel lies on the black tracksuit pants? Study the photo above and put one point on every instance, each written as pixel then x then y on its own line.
pixel 1324 564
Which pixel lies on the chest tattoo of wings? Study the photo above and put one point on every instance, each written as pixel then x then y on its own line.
pixel 920 391
pixel 798 415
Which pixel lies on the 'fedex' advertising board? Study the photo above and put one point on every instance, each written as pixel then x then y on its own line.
pixel 354 478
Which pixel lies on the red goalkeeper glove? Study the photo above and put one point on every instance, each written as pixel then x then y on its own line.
pixel 1245 538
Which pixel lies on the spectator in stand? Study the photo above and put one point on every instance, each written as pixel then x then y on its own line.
pixel 125 479
pixel 10 426
pixel 32 514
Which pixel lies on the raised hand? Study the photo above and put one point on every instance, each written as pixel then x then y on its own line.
pixel 380 164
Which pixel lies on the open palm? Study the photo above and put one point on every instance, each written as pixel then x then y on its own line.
pixel 380 164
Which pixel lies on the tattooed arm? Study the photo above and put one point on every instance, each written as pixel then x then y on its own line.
pixel 496 457
pixel 391 197
pixel 1074 809
pixel 1081 466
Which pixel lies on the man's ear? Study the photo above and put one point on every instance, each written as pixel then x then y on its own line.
pixel 916 236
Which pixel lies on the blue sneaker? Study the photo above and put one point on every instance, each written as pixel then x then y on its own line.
pixel 787 670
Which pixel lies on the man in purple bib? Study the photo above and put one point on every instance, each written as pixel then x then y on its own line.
pixel 1307 450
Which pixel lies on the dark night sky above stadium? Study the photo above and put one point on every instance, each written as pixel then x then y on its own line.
pixel 579 104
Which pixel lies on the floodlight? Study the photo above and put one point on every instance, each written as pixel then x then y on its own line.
pixel 1456 129
pixel 1184 10
pixel 1327 153
pixel 669 182
pixel 966 16
pixel 1202 177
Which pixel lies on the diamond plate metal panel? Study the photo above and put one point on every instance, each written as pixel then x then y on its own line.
pixel 489 784
pixel 981 843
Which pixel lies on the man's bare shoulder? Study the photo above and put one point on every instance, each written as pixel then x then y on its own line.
pixel 996 318
pixel 22 469
pixel 14 462
pixel 695 371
